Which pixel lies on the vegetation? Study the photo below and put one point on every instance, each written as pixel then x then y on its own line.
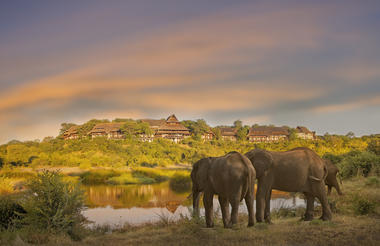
pixel 180 182
pixel 346 228
pixel 49 206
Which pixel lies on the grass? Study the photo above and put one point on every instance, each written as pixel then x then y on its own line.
pixel 130 178
pixel 346 228
pixel 343 230
pixel 180 182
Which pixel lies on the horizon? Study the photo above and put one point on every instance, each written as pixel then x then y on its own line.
pixel 294 63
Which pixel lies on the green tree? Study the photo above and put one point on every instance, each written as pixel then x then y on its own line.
pixel 238 124
pixel 350 134
pixel 374 146
pixel 65 127
pixel 242 133
pixel 292 134
pixel 217 133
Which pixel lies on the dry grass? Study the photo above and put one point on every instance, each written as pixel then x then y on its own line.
pixel 343 230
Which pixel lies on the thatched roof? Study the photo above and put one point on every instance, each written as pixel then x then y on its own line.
pixel 268 131
pixel 153 123
pixel 302 129
pixel 228 131
pixel 106 128
pixel 72 130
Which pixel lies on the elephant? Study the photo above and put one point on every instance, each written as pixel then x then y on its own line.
pixel 298 170
pixel 331 180
pixel 232 177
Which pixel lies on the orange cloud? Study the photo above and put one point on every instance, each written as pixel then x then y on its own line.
pixel 372 101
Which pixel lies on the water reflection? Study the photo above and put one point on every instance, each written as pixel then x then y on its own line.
pixel 137 204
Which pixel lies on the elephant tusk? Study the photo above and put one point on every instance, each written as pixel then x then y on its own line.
pixel 315 179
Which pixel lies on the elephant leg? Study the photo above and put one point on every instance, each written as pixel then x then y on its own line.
pixel 262 189
pixel 267 206
pixel 209 212
pixel 196 196
pixel 235 207
pixel 309 207
pixel 329 190
pixel 326 211
pixel 225 211
pixel 249 200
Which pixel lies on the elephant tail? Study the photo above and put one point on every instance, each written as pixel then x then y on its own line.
pixel 324 175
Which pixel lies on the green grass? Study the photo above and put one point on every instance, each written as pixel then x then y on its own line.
pixel 98 176
pixel 180 181
pixel 130 178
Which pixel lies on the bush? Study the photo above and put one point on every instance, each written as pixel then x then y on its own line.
pixel 362 205
pixel 130 178
pixel 180 182
pixel 10 210
pixel 359 164
pixel 98 176
pixel 372 181
pixel 53 205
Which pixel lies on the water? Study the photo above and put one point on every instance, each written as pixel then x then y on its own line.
pixel 139 204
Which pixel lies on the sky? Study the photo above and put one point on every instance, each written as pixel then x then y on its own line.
pixel 284 62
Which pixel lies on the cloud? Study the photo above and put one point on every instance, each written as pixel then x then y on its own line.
pixel 351 105
pixel 252 62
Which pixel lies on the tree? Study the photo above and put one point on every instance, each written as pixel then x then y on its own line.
pixel 242 133
pixel 292 134
pixel 374 146
pixel 217 133
pixel 238 124
pixel 65 127
pixel 350 134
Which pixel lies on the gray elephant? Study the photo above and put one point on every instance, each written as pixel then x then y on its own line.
pixel 299 170
pixel 331 180
pixel 231 177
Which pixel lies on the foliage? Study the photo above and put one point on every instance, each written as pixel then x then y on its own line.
pixel 180 182
pixel 130 178
pixel 359 163
pixel 10 210
pixel 98 176
pixel 362 205
pixel 53 205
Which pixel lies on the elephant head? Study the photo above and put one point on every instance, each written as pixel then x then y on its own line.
pixel 262 161
pixel 331 179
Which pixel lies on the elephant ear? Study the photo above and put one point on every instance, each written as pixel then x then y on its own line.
pixel 201 168
pixel 262 161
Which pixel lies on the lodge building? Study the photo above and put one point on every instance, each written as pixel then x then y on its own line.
pixel 108 130
pixel 175 131
pixel 228 133
pixel 267 134
pixel 304 133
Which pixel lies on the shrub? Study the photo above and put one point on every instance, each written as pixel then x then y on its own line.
pixel 98 176
pixel 6 185
pixel 131 178
pixel 359 164
pixel 156 174
pixel 53 205
pixel 362 205
pixel 372 181
pixel 10 210
pixel 180 182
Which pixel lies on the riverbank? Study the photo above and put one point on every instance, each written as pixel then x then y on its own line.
pixel 342 230
pixel 356 221
pixel 13 180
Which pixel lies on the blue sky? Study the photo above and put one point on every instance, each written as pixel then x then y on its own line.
pixel 312 63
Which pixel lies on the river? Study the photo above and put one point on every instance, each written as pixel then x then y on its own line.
pixel 138 204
